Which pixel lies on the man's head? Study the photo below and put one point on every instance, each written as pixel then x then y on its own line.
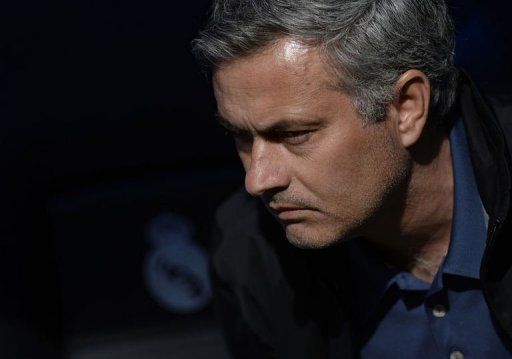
pixel 325 98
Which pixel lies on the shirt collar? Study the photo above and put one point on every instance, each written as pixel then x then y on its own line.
pixel 467 243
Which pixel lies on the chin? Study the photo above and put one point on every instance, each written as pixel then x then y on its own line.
pixel 314 237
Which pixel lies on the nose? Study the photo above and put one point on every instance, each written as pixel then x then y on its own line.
pixel 266 170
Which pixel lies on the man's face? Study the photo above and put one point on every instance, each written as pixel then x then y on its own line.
pixel 306 152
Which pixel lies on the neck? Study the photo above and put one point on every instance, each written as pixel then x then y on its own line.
pixel 414 234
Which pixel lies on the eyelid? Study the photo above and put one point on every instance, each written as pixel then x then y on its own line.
pixel 287 137
pixel 295 133
pixel 296 137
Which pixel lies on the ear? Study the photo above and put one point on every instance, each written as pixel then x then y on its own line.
pixel 411 104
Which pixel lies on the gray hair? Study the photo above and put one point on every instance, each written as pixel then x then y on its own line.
pixel 368 43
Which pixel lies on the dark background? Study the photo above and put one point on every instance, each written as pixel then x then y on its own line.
pixel 105 123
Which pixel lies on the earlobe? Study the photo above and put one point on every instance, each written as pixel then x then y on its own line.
pixel 411 104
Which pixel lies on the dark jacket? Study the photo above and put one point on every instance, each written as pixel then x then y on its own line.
pixel 278 301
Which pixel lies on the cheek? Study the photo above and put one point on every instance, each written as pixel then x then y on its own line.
pixel 335 165
pixel 352 171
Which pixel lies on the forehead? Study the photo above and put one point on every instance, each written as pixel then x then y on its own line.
pixel 285 74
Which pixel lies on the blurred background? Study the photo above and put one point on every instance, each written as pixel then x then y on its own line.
pixel 111 166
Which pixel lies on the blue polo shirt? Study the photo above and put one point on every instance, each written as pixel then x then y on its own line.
pixel 399 316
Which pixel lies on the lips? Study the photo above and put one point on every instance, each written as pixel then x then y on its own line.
pixel 285 212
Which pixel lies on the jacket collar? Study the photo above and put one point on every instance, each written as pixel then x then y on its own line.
pixel 488 149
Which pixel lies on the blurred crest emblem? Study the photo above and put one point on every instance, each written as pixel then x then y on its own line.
pixel 176 268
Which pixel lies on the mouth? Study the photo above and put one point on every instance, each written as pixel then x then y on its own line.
pixel 288 213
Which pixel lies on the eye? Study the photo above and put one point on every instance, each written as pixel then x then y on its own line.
pixel 296 137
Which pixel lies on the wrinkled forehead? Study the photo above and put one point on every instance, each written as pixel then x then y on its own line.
pixel 286 64
pixel 288 81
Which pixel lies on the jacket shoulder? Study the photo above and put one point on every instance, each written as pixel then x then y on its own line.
pixel 243 251
pixel 267 284
pixel 237 212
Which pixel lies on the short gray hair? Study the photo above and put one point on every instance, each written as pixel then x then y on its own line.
pixel 368 43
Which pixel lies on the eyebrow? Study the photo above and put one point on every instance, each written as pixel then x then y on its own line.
pixel 276 127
